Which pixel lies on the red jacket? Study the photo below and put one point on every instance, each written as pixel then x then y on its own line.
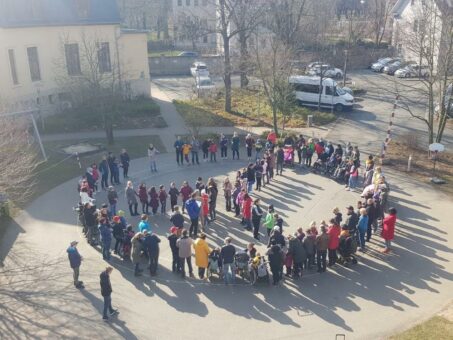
pixel 388 227
pixel 247 208
pixel 186 191
pixel 204 204
pixel 213 147
pixel 334 236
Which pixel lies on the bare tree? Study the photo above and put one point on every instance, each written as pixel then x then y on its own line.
pixel 379 15
pixel 429 39
pixel 192 28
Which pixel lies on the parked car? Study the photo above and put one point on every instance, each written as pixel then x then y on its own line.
pixel 199 69
pixel 188 54
pixel 381 63
pixel 327 71
pixel 411 71
pixel 390 69
pixel 314 64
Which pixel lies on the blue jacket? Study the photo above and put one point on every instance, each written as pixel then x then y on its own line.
pixel 363 224
pixel 74 257
pixel 106 233
pixel 193 209
pixel 178 144
pixel 143 225
pixel 104 167
pixel 151 245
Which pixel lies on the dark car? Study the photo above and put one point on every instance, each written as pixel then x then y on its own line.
pixel 188 54
pixel 391 68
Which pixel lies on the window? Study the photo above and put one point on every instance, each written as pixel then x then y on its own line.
pixel 179 2
pixel 12 65
pixel 104 58
pixel 195 2
pixel 307 88
pixel 187 2
pixel 330 90
pixel 72 59
pixel 33 63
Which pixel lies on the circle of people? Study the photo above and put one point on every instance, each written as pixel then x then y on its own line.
pixel 335 239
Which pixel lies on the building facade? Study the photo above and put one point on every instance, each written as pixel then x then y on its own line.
pixel 43 43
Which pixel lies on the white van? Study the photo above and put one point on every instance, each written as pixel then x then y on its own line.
pixel 307 91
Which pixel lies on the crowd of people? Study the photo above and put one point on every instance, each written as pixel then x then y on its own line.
pixel 319 245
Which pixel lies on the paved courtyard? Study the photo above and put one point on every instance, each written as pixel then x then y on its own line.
pixel 380 295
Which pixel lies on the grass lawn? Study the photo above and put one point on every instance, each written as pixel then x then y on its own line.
pixel 138 113
pixel 438 328
pixel 209 112
pixel 59 168
pixel 168 53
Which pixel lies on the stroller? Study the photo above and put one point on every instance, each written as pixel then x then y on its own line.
pixel 213 264
pixel 242 262
pixel 288 155
pixel 258 271
pixel 347 249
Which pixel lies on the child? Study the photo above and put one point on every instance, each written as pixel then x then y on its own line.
pixel 234 196
pixel 143 196
pixel 265 177
pixel 269 222
pixel 204 209
pixel 163 199
pixel 213 151
pixel 279 222
pixel 153 199
pixel 152 152
pixel 127 244
pixel 215 264
pixel 174 193
pixel 186 151
pixel 258 174
pixel 205 147
pixel 310 248
pixel 289 259
pixel 199 185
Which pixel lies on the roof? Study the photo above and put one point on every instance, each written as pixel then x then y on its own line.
pixel 400 6
pixel 31 13
pixel 311 80
pixel 133 31
pixel 446 6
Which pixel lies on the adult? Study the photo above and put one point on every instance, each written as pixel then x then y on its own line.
pixel 352 219
pixel 205 148
pixel 223 146
pixel 178 149
pixel 131 197
pixel 275 255
pixel 388 230
pixel 125 162
pixel 184 245
pixel 89 214
pixel 227 192
pixel 258 149
pixel 372 213
pixel 177 219
pixel 277 237
pixel 297 250
pixel 143 196
pixel 104 170
pixel 235 145
pixel 257 214
pixel 250 177
pixel 247 211
pixel 152 157
pixel 151 247
pixel 212 192
pixel 112 197
pixel 106 238
pixel 202 252
pixel 227 259
pixel 362 227
pixel 280 158
pixel 353 175
pixel 136 242
pixel 193 209
pixel 195 144
pixel 249 143
pixel 75 260
pixel 118 234
pixel 106 292
pixel 172 239
pixel 334 241
pixel 300 144
pixel 185 192
pixel 322 243
pixel 173 193
pixel 272 137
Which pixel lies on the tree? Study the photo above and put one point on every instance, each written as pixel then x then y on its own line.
pixel 192 28
pixel 379 14
pixel 429 40
pixel 92 79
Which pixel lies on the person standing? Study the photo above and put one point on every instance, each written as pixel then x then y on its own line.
pixel 193 209
pixel 388 230
pixel 174 193
pixel 372 214
pixel 152 156
pixel 223 147
pixel 106 238
pixel 204 213
pixel 151 247
pixel 213 151
pixel 184 245
pixel 195 149
pixel 125 161
pixel 334 241
pixel 353 176
pixel 257 214
pixel 249 143
pixel 235 145
pixel 136 250
pixel 104 170
pixel 106 292
pixel 185 192
pixel 250 177
pixel 247 211
pixel 112 197
pixel 163 199
pixel 143 196
pixel 75 260
pixel 362 227
pixel 322 243
pixel 275 255
pixel 227 192
pixel 205 148
pixel 172 239
pixel 177 219
pixel 212 192
pixel 202 252
pixel 178 149
pixel 259 174
pixel 227 259
pixel 153 199
pixel 352 219
pixel 280 157
pixel 131 197
pixel 118 234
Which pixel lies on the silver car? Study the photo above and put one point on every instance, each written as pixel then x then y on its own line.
pixel 412 71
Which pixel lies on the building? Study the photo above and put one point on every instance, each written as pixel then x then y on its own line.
pixel 193 23
pixel 45 41
pixel 420 26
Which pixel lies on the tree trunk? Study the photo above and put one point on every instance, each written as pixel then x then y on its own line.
pixel 227 72
pixel 274 118
pixel 109 133
pixel 194 45
pixel 244 59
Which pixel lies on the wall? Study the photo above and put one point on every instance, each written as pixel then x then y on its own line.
pixel 168 66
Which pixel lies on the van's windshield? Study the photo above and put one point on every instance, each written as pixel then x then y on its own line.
pixel 340 91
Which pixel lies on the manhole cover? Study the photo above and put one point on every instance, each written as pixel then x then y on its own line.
pixel 82 148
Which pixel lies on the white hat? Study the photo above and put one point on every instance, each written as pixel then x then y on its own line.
pixel 276 228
